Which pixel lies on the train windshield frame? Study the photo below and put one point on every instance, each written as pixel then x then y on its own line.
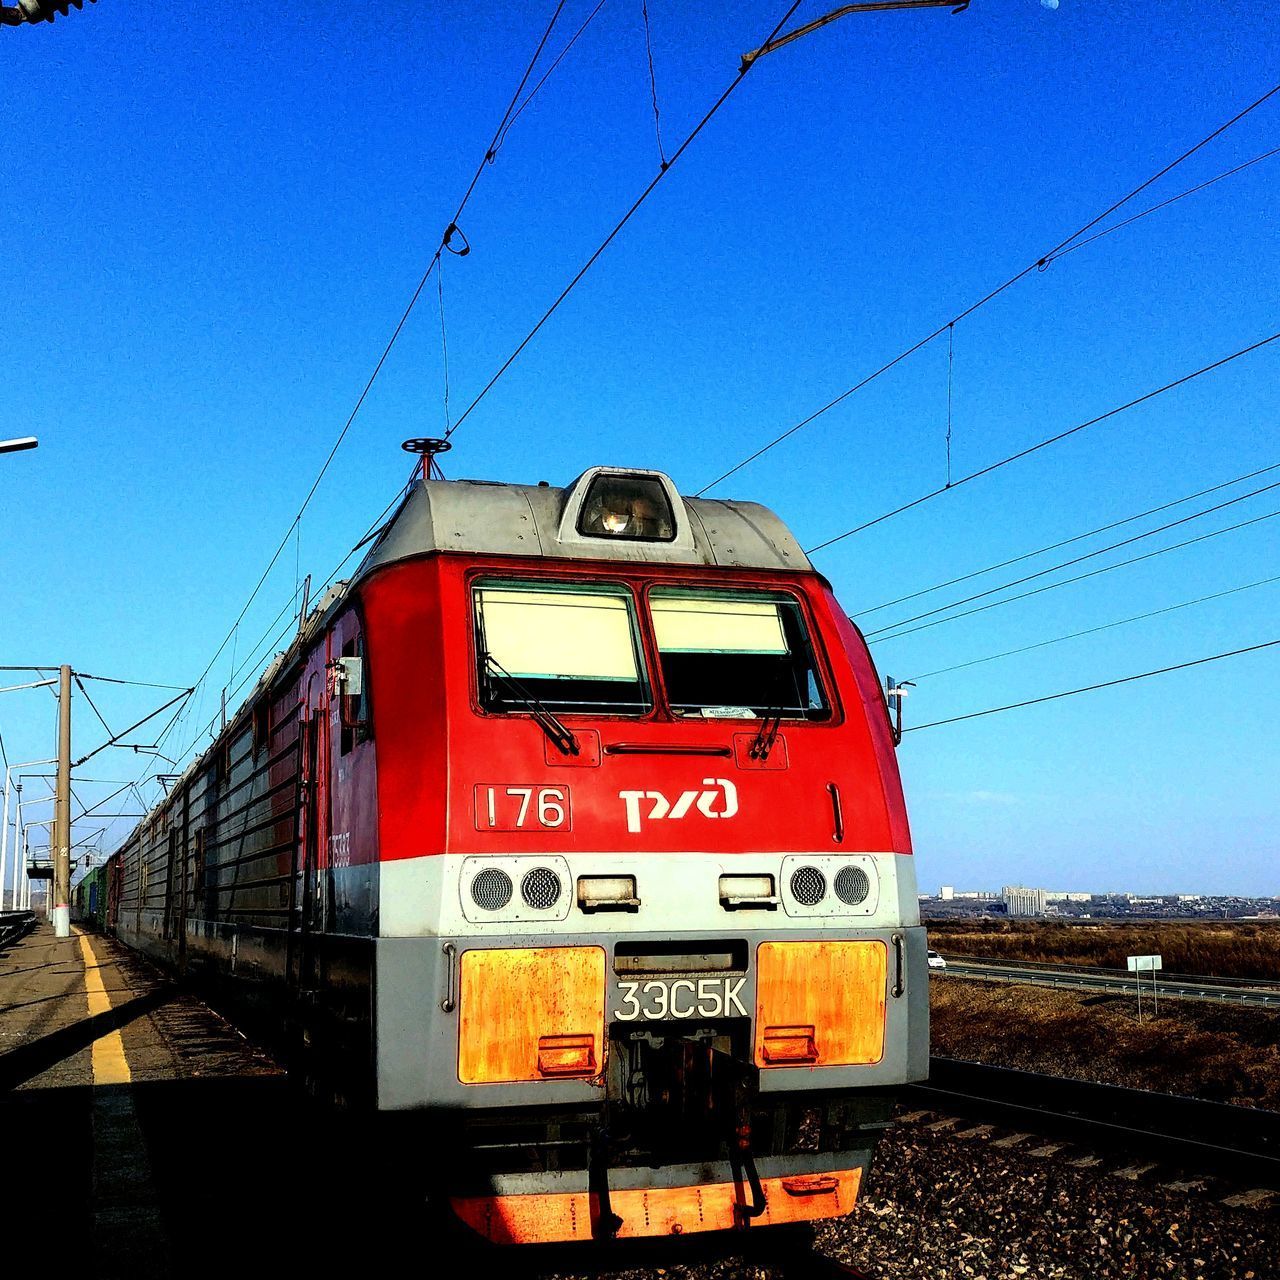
pixel 736 654
pixel 567 647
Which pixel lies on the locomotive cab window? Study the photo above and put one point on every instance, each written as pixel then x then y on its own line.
pixel 736 655
pixel 557 648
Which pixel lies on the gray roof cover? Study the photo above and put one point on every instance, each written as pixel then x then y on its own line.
pixel 487 518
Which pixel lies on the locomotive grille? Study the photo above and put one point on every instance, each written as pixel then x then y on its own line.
pixel 541 888
pixel 491 889
pixel 808 886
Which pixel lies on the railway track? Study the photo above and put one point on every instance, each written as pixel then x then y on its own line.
pixel 15 925
pixel 1209 1137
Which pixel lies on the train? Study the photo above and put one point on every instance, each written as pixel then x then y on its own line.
pixel 568 833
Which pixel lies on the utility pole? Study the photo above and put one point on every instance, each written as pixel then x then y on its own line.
pixel 62 812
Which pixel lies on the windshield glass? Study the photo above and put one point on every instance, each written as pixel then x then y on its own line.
pixel 735 654
pixel 568 648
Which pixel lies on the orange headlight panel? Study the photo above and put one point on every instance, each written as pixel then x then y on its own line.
pixel 531 1013
pixel 820 1004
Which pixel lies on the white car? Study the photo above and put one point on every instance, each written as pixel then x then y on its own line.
pixel 936 961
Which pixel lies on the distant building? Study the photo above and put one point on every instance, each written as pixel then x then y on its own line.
pixel 947 892
pixel 1020 901
pixel 1052 895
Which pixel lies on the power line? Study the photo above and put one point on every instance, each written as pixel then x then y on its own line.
pixel 1041 262
pixel 140 684
pixel 1066 542
pixel 1066 564
pixel 609 239
pixel 1089 631
pixel 450 231
pixel 1164 204
pixel 1044 444
pixel 533 93
pixel 1080 577
pixel 1090 688
pixel 274 639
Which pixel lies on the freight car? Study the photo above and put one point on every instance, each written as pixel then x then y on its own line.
pixel 572 824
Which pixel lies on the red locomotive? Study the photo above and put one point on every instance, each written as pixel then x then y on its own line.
pixel 571 822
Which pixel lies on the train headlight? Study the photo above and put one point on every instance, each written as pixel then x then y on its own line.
pixel 541 888
pixel 853 885
pixel 491 889
pixel 622 506
pixel 832 885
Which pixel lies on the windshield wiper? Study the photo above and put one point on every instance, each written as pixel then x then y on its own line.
pixel 561 737
pixel 767 734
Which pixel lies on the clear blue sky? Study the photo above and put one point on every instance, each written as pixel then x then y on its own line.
pixel 215 215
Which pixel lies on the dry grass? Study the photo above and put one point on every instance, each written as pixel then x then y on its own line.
pixel 1197 1049
pixel 1211 948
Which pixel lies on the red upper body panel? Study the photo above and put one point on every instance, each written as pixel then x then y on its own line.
pixel 452 778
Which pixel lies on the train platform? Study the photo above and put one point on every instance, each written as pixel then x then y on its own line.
pixel 133 1118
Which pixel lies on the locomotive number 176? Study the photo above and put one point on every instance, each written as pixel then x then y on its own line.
pixel 514 807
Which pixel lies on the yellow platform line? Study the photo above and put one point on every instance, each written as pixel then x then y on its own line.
pixel 110 1066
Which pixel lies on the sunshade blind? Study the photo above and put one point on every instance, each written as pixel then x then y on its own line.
pixel 548 634
pixel 717 626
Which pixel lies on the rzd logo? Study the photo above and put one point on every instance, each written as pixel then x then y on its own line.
pixel 719 792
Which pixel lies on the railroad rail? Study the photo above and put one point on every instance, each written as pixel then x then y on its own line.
pixel 15 925
pixel 1246 991
pixel 1238 1142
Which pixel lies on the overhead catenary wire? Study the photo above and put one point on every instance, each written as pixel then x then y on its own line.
pixel 546 75
pixel 1038 264
pixel 450 230
pixel 1091 688
pixel 1044 444
pixel 1080 559
pixel 1163 204
pixel 1066 542
pixel 1080 577
pixel 622 222
pixel 1089 631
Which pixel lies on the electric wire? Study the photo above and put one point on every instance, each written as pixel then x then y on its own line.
pixel 1091 688
pixel 386 352
pixel 1089 631
pixel 1066 542
pixel 609 239
pixel 1039 263
pixel 141 684
pixel 533 93
pixel 1163 204
pixel 273 637
pixel 1080 559
pixel 653 84
pixel 1081 577
pixel 1044 444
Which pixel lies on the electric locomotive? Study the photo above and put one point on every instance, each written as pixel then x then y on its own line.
pixel 569 829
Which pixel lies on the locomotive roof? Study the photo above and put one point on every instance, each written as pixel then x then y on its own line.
pixel 489 518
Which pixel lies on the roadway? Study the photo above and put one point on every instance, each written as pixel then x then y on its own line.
pixel 1114 981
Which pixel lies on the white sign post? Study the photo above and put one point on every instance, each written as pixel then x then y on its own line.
pixel 1138 965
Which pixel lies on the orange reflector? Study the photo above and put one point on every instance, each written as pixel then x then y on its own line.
pixel 530 1013
pixel 820 1004
pixel 659 1211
